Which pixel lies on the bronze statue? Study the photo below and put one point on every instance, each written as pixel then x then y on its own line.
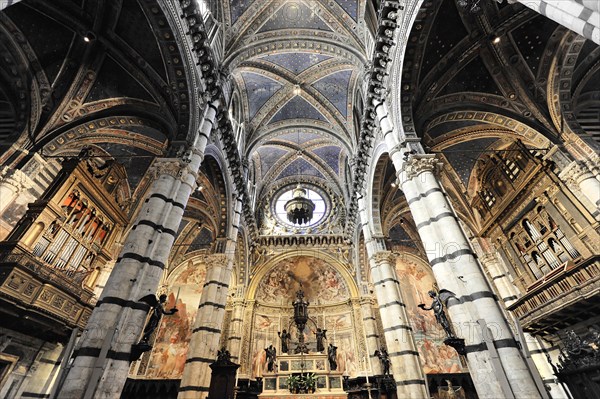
pixel 331 355
pixel 271 355
pixel 157 312
pixel 285 340
pixel 384 358
pixel 438 309
pixel 320 337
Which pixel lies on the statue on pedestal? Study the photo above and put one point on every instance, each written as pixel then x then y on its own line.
pixel 320 337
pixel 271 356
pixel 384 358
pixel 157 312
pixel 285 341
pixel 438 309
pixel 331 355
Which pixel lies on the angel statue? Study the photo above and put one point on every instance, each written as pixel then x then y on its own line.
pixel 438 309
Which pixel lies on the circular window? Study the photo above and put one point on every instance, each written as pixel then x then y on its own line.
pixel 288 193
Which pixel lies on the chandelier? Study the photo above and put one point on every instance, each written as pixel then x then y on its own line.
pixel 299 209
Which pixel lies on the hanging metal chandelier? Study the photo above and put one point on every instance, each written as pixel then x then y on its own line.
pixel 299 209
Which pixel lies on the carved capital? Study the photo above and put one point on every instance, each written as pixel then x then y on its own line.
pixel 167 166
pixel 383 257
pixel 575 173
pixel 14 178
pixel 215 260
pixel 417 164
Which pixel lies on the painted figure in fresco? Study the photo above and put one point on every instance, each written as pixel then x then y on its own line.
pixel 271 355
pixel 285 340
pixel 157 312
pixel 320 337
pixel 384 358
pixel 332 354
pixel 438 309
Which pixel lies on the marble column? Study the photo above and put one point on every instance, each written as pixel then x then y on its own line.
pixel 474 307
pixel 577 174
pixel 473 310
pixel 101 362
pixel 234 338
pixel 404 357
pixel 12 183
pixel 371 332
pixel 580 16
pixel 39 383
pixel 206 333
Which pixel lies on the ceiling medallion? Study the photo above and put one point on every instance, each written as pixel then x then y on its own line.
pixel 299 209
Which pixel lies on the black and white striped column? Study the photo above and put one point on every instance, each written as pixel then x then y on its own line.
pixel 371 332
pixel 404 357
pixel 101 361
pixel 206 333
pixel 450 256
pixel 581 16
pixel 577 174
pixel 234 338
pixel 455 269
pixel 509 294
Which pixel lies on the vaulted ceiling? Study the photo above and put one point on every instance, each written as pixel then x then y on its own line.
pixel 297 65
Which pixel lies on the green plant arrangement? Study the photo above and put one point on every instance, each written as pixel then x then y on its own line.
pixel 303 383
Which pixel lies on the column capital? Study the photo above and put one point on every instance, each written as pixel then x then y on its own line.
pixel 15 178
pixel 167 166
pixel 383 257
pixel 215 260
pixel 417 164
pixel 575 173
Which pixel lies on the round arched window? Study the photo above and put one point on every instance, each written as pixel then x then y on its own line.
pixel 287 194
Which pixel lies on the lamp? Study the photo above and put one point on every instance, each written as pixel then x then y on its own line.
pixel 299 209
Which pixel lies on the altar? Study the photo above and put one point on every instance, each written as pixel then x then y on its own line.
pixel 288 368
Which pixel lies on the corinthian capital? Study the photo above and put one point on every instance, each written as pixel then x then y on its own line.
pixel 575 173
pixel 215 260
pixel 418 164
pixel 167 166
pixel 383 257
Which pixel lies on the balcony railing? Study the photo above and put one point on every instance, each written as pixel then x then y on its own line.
pixel 557 290
pixel 32 284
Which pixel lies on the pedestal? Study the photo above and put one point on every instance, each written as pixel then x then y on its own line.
pixel 222 382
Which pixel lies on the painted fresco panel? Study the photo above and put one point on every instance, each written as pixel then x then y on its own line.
pixel 415 281
pixel 320 281
pixel 171 345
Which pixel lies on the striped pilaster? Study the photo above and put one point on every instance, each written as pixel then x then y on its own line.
pixel 371 333
pixel 234 338
pixel 581 16
pixel 540 351
pixel 450 256
pixel 206 334
pixel 506 290
pixel 398 333
pixel 101 361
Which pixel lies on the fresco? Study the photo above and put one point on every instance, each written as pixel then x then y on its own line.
pixel 264 333
pixel 415 281
pixel 341 334
pixel 170 347
pixel 320 281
